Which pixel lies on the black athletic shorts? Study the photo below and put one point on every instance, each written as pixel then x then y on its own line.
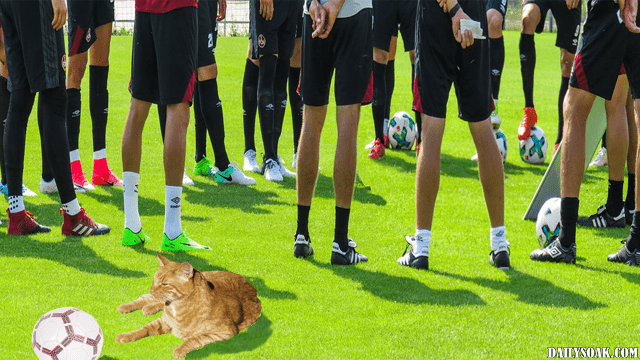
pixel 441 61
pixel 300 26
pixel 35 52
pixel 348 50
pixel 163 60
pixel 387 14
pixel 84 17
pixel 207 32
pixel 500 6
pixel 605 45
pixel 276 36
pixel 568 22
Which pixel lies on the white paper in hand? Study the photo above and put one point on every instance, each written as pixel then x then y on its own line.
pixel 473 26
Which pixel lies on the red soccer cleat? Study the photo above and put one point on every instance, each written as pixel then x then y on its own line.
pixel 529 119
pixel 22 223
pixel 555 148
pixel 81 224
pixel 102 175
pixel 385 140
pixel 78 176
pixel 377 151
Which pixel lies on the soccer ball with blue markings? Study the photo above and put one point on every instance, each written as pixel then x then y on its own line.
pixel 533 150
pixel 548 223
pixel 402 131
pixel 501 139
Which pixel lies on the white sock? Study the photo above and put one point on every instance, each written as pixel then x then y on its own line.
pixel 131 215
pixel 74 155
pixel 498 238
pixel 100 154
pixel 423 237
pixel 72 207
pixel 172 201
pixel 16 204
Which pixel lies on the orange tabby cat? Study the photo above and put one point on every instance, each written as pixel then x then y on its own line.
pixel 199 307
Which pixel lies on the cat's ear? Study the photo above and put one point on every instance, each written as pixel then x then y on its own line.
pixel 186 272
pixel 163 260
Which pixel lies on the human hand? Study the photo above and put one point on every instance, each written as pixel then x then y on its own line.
pixel 629 12
pixel 572 4
pixel 59 14
pixel 222 10
pixel 464 38
pixel 266 9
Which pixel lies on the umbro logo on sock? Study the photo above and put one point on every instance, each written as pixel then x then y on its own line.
pixel 269 107
pixel 500 233
pixel 75 113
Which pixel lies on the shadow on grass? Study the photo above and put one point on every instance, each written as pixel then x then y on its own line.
pixel 632 276
pixel 250 339
pixel 398 159
pixel 531 290
pixel 107 358
pixel 70 252
pixel 203 265
pixel 246 198
pixel 401 289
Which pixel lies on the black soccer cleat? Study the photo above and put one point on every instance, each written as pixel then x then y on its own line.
pixel 408 258
pixel 349 257
pixel 625 256
pixel 555 252
pixel 602 219
pixel 302 246
pixel 500 259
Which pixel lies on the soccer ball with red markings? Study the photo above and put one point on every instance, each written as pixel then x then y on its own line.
pixel 65 334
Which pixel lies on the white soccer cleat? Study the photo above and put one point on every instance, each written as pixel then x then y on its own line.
pixel 474 157
pixel 294 162
pixel 284 171
pixel 250 162
pixel 233 175
pixel 51 187
pixel 600 159
pixel 186 180
pixel 27 192
pixel 272 171
pixel 369 146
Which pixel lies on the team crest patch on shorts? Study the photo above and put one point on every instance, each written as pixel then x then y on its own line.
pixel 64 62
pixel 261 41
pixel 88 37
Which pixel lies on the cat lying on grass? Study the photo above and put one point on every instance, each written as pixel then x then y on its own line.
pixel 199 307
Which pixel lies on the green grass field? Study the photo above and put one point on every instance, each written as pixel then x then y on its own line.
pixel 462 308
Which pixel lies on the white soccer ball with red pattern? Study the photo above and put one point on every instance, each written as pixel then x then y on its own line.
pixel 66 334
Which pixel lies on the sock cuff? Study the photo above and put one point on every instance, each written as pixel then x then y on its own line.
pixel 527 43
pixel 72 207
pixel 100 154
pixel 74 155
pixel 98 77
pixel 423 233
pixel 498 231
pixel 16 204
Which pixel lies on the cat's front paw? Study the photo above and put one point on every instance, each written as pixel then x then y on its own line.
pixel 179 353
pixel 152 308
pixel 126 308
pixel 124 338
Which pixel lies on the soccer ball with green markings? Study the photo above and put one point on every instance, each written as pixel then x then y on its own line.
pixel 548 223
pixel 402 131
pixel 533 150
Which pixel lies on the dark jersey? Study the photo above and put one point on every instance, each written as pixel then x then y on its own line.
pixel 163 6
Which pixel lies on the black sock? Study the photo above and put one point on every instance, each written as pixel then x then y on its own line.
pixel 266 106
pixel 391 84
pixel 342 228
pixel 211 108
pixel 47 172
pixel 4 109
pixel 604 139
pixel 279 100
pixel 99 104
pixel 569 217
pixel 74 106
pixel 633 241
pixel 295 103
pixel 250 103
pixel 53 110
pixel 564 86
pixel 630 201
pixel 162 118
pixel 527 66
pixel 614 197
pixel 15 131
pixel 379 104
pixel 496 60
pixel 200 127
pixel 303 220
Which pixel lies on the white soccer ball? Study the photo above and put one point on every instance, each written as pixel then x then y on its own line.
pixel 67 334
pixel 533 150
pixel 402 131
pixel 501 139
pixel 548 222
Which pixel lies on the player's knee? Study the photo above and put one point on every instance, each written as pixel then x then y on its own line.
pixel 566 63
pixel 529 21
pixel 495 24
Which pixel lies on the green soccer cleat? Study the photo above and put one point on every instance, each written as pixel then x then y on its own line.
pixel 129 238
pixel 182 243
pixel 204 167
